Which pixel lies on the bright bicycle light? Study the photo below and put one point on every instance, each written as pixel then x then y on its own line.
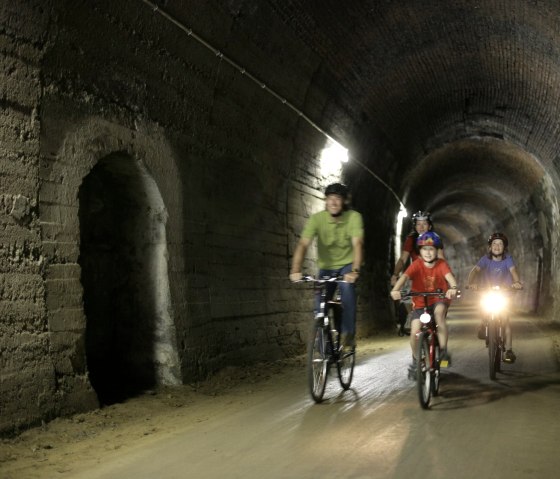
pixel 494 302
pixel 425 318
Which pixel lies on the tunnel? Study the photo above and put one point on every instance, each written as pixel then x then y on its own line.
pixel 160 159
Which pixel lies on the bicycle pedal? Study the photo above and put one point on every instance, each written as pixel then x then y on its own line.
pixel 444 363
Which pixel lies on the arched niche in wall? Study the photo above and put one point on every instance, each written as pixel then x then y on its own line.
pixel 130 343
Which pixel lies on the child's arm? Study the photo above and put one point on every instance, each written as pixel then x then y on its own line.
pixel 472 276
pixel 517 284
pixel 396 291
pixel 452 291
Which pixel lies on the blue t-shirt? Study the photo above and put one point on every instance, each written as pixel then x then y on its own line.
pixel 496 273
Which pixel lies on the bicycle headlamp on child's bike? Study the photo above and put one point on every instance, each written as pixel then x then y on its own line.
pixel 494 301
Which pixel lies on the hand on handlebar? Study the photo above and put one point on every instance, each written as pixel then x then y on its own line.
pixel 451 293
pixel 295 277
pixel 351 277
pixel 396 295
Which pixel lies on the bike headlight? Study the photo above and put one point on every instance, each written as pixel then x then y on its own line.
pixel 494 302
pixel 425 318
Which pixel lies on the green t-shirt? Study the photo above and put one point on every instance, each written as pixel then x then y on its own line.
pixel 334 238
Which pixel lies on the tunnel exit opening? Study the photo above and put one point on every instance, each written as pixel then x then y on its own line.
pixel 130 338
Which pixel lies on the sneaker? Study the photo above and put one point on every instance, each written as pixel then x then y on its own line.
pixel 412 370
pixel 347 340
pixel 445 359
pixel 510 357
pixel 481 333
pixel 346 351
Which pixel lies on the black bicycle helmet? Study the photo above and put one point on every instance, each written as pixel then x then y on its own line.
pixel 422 216
pixel 500 236
pixel 337 189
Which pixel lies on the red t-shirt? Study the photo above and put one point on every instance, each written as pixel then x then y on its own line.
pixel 427 279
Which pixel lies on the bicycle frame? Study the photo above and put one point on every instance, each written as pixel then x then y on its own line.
pixel 494 303
pixel 427 351
pixel 324 345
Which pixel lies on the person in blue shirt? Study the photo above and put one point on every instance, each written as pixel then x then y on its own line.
pixel 496 268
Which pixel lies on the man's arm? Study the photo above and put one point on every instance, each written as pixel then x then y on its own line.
pixel 358 247
pixel 472 277
pixel 297 260
pixel 358 250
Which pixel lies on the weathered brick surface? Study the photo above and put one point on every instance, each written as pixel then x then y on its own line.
pixel 219 151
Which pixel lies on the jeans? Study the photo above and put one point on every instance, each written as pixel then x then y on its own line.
pixel 348 298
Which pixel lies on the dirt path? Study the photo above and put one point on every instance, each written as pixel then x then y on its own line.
pixel 213 418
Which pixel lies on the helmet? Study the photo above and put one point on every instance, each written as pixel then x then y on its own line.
pixel 500 236
pixel 337 189
pixel 429 238
pixel 422 216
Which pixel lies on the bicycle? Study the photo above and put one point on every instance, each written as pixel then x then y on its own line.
pixel 427 350
pixel 494 303
pixel 324 348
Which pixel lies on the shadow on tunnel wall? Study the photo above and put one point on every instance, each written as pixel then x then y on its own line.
pixel 115 227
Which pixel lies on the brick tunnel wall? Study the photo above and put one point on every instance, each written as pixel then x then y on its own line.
pixel 238 173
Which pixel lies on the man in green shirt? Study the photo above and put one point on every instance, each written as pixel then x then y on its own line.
pixel 340 235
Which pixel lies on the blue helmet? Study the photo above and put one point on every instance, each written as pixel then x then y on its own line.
pixel 429 239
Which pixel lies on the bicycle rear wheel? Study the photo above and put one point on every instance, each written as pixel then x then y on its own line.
pixel 318 362
pixel 423 375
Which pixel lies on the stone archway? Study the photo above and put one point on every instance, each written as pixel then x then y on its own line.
pixel 130 336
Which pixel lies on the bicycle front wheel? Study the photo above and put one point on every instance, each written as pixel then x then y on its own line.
pixel 345 366
pixel 423 368
pixel 435 355
pixel 318 362
pixel 493 351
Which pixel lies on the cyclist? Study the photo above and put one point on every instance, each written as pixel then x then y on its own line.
pixel 340 233
pixel 498 269
pixel 430 273
pixel 421 223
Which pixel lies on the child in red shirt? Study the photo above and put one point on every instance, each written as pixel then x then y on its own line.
pixel 429 273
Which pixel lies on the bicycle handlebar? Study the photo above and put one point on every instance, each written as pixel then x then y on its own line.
pixel 505 289
pixel 327 279
pixel 407 294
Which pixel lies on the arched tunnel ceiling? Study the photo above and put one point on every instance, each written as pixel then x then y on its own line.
pixel 469 183
pixel 437 81
pixel 419 70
